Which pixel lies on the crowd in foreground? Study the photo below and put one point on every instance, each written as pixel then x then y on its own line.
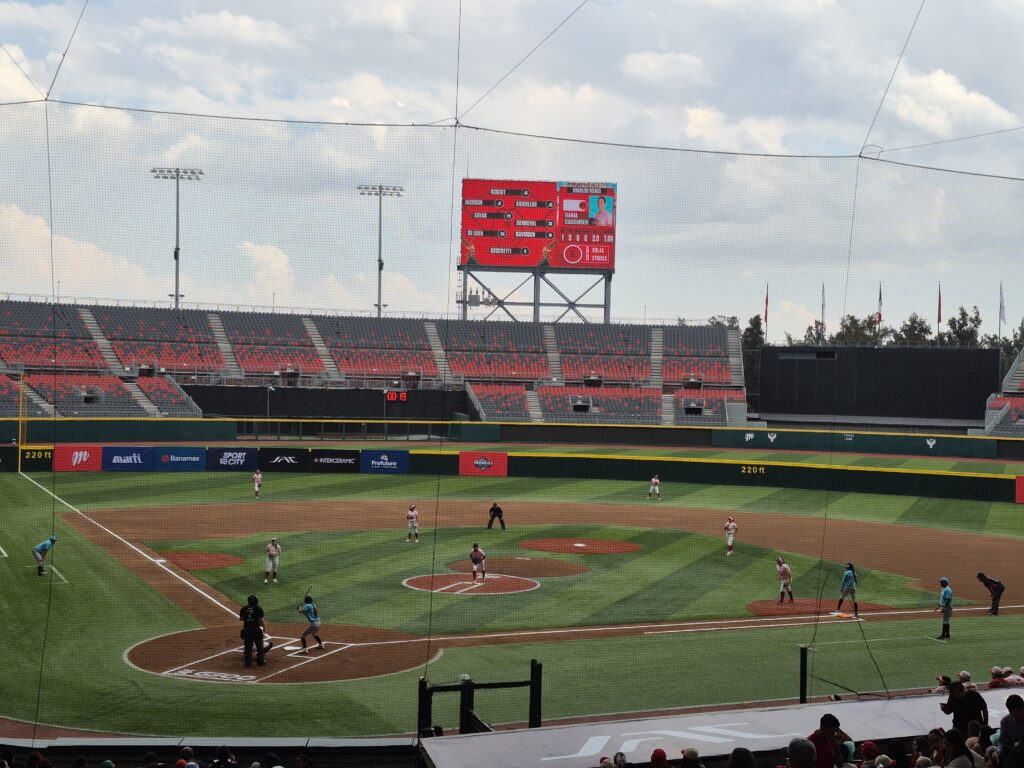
pixel 971 743
pixel 186 758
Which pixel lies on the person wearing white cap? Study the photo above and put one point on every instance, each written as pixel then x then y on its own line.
pixel 730 533
pixel 273 554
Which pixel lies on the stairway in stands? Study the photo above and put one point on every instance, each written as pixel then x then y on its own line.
pixel 553 355
pixel 221 337
pixel 140 397
pixel 321 349
pixel 735 358
pixel 533 406
pixel 36 400
pixel 657 356
pixel 96 332
pixel 438 349
pixel 1014 381
pixel 668 410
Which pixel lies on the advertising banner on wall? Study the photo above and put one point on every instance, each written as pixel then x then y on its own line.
pixel 127 458
pixel 77 458
pixel 384 462
pixel 8 458
pixel 330 460
pixel 172 459
pixel 483 464
pixel 1020 490
pixel 284 459
pixel 232 459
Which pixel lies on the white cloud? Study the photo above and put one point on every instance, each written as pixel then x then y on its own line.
pixel 14 86
pixel 665 69
pixel 222 27
pixel 270 272
pixel 748 134
pixel 50 17
pixel 939 103
pixel 81 268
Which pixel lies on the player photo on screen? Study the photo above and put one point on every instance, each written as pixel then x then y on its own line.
pixel 601 210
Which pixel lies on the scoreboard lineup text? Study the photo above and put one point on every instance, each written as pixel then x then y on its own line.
pixel 526 224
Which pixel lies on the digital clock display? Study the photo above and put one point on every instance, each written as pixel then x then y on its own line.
pixel 391 396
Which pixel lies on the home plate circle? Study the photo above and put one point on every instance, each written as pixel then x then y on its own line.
pixel 463 584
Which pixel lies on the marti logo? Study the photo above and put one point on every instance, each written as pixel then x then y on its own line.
pixel 483 463
pixel 284 460
pixel 233 459
pixel 79 457
pixel 128 458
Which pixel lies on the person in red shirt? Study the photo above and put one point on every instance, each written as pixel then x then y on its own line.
pixel 826 741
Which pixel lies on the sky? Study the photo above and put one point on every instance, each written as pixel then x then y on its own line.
pixel 731 128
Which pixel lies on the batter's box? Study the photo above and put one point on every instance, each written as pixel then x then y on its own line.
pixel 226 666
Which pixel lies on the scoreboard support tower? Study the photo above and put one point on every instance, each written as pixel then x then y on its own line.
pixel 539 276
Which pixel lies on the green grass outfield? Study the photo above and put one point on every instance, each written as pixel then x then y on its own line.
pixel 64 642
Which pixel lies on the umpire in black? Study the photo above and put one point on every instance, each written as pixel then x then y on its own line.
pixel 496 513
pixel 995 589
pixel 251 616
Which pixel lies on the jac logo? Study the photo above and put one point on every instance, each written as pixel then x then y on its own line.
pixel 284 460
pixel 771 437
pixel 483 463
pixel 79 457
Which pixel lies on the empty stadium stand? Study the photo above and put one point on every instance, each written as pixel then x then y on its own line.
pixel 169 355
pixel 9 397
pixel 38 352
pixel 501 351
pixel 499 366
pixel 1012 422
pixel 696 341
pixel 42 320
pixel 253 358
pixel 675 370
pixel 384 362
pixel 377 347
pixel 595 339
pixel 619 369
pixel 186 326
pixel 168 396
pixel 501 402
pixel 612 405
pixel 85 394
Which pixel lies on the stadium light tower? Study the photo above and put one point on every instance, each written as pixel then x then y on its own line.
pixel 177 174
pixel 380 191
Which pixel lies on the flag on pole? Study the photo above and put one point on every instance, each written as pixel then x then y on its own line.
pixel 1002 304
pixel 878 315
pixel 940 305
pixel 766 302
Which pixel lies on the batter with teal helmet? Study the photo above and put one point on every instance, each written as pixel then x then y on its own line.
pixel 308 609
pixel 40 551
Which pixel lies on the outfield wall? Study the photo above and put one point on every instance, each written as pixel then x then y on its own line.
pixel 90 457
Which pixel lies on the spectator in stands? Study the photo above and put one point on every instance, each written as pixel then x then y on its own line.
pixel 7 758
pixel 1011 727
pixel 33 758
pixel 658 757
pixel 923 762
pixel 302 761
pixel 897 752
pixel 107 764
pixel 271 760
pixel 826 741
pixel 997 680
pixel 883 761
pixel 741 757
pixel 869 751
pixel 224 759
pixel 935 744
pixel 920 748
pixel 974 736
pixel 1012 679
pixel 186 754
pixel 802 754
pixel 965 678
pixel 150 758
pixel 965 706
pixel 691 759
pixel 957 754
pixel 943 684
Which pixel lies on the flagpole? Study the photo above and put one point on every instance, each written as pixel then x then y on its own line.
pixel 766 313
pixel 1002 310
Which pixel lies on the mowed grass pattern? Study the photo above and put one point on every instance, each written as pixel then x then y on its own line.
pixel 66 641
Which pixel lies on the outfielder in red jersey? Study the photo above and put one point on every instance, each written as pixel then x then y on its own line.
pixel 257 482
pixel 479 560
pixel 730 534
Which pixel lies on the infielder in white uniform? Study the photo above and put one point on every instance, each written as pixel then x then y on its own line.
pixel 273 553
pixel 785 580
pixel 730 534
pixel 655 488
pixel 257 482
pixel 412 519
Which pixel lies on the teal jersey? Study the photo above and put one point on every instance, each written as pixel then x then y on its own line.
pixel 309 609
pixel 45 546
pixel 849 580
pixel 946 596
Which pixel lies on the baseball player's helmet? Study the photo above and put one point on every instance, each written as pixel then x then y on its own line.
pixel 252 600
pixel 53 539
pixel 309 598
pixel 943 581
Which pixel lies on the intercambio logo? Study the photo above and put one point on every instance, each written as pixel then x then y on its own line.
pixel 233 459
pixel 128 458
pixel 79 457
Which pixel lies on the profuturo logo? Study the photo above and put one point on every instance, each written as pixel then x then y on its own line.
pixel 79 457
pixel 483 463
pixel 384 462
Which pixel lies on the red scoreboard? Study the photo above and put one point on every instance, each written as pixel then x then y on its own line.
pixel 525 224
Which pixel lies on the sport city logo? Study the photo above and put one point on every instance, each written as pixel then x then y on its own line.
pixel 483 463
pixel 79 457
pixel 284 460
pixel 233 458
pixel 128 458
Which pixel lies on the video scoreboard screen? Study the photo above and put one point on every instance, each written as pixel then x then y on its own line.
pixel 525 224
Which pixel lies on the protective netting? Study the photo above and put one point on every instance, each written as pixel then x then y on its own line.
pixel 631 603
